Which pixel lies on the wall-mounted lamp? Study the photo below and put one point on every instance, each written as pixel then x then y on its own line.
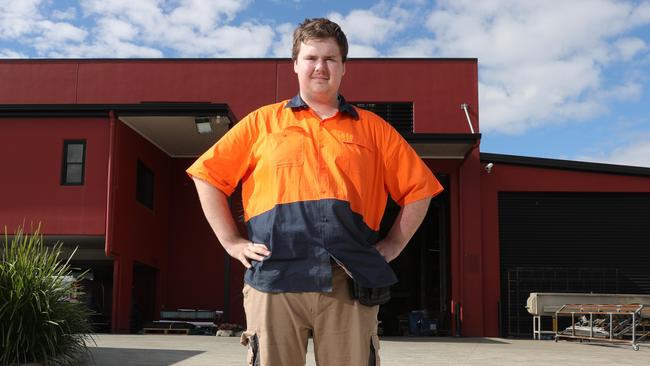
pixel 488 167
pixel 203 124
pixel 465 107
pixel 221 120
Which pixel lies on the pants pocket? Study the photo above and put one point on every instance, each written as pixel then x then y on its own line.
pixel 250 340
pixel 373 359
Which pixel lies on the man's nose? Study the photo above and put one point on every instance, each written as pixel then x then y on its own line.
pixel 320 65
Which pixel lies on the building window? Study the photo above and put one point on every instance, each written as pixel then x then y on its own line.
pixel 398 114
pixel 144 185
pixel 74 158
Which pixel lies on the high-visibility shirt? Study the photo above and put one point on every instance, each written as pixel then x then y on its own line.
pixel 315 189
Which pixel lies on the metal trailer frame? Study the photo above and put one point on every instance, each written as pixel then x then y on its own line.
pixel 621 333
pixel 537 327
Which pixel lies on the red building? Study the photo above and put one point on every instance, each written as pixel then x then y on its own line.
pixel 96 150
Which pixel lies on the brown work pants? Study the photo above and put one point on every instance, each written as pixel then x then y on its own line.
pixel 279 324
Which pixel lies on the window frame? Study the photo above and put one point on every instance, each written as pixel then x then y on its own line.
pixel 65 163
pixel 139 194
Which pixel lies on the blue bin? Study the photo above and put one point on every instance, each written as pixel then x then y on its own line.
pixel 420 324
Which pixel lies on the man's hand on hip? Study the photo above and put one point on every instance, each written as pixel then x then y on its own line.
pixel 245 251
pixel 389 249
pixel 406 223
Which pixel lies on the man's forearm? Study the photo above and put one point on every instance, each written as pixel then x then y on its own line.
pixel 217 212
pixel 406 224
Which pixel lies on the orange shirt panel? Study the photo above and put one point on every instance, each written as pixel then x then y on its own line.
pixel 286 155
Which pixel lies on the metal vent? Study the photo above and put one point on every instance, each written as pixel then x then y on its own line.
pixel 398 114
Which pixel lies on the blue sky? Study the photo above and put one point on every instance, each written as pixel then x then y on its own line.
pixel 557 79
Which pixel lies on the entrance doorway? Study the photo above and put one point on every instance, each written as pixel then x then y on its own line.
pixel 143 302
pixel 421 297
pixel 96 282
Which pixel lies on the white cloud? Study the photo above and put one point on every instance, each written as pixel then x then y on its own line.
pixel 359 50
pixel 56 36
pixel 68 14
pixel 6 53
pixel 17 17
pixel 634 154
pixel 204 15
pixel 368 30
pixel 116 28
pixel 282 47
pixel 60 31
pixel 191 28
pixel 541 61
pixel 142 28
pixel 629 91
pixel 421 47
pixel 364 26
pixel 247 40
pixel 629 47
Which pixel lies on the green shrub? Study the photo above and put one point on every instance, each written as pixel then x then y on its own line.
pixel 39 319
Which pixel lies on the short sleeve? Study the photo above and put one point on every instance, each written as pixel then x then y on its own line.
pixel 226 162
pixel 408 179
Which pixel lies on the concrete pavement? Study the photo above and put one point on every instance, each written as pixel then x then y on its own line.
pixel 183 350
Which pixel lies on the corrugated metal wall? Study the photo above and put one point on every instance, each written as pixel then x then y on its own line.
pixel 570 242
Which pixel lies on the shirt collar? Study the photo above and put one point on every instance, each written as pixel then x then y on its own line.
pixel 297 103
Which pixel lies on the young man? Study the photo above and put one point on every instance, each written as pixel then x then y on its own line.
pixel 315 173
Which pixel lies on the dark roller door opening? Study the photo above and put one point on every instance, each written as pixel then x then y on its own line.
pixel 423 273
pixel 570 242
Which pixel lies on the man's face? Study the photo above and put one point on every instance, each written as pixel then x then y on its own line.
pixel 319 67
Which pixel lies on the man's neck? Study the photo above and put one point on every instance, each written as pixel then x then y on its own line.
pixel 324 107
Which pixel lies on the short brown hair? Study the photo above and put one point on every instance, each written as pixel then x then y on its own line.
pixel 319 28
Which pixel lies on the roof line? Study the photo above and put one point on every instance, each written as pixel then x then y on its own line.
pixel 274 59
pixel 100 110
pixel 565 164
pixel 440 137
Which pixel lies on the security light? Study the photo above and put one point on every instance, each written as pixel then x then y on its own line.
pixel 203 124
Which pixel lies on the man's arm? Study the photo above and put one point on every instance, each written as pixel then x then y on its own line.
pixel 408 220
pixel 217 212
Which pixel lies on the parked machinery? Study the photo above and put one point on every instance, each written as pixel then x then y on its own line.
pixel 546 304
pixel 604 323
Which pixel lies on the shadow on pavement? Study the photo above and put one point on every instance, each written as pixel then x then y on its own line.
pixel 103 356
pixel 442 340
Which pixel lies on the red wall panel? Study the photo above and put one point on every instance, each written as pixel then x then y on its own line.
pixel 32 155
pixel 244 85
pixel 139 233
pixel 505 177
pixel 470 248
pixel 38 82
pixel 196 262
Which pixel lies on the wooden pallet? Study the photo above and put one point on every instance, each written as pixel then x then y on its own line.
pixel 166 331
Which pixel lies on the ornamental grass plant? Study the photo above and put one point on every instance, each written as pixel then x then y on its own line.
pixel 40 320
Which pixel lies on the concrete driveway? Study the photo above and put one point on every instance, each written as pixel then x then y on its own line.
pixel 163 350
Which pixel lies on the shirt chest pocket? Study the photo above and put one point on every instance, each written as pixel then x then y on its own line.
pixel 356 156
pixel 286 148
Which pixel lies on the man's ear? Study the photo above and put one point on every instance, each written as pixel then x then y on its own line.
pixel 295 65
pixel 343 69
